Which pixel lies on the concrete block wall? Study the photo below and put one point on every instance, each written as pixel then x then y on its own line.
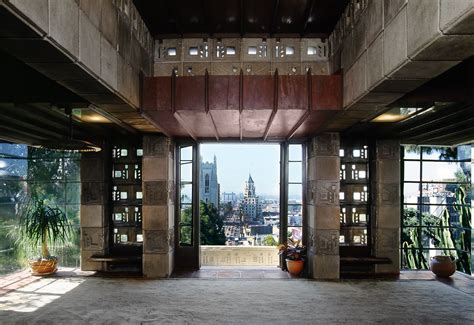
pixel 95 212
pixel 107 38
pixel 158 174
pixel 212 56
pixel 322 206
pixel 386 204
pixel 388 48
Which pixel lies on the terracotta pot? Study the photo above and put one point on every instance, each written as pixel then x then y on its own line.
pixel 442 266
pixel 294 267
pixel 44 266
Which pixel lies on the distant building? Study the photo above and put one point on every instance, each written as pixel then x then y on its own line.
pixel 229 198
pixel 251 207
pixel 208 185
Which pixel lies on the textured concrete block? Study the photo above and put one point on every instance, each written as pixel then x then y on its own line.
pixel 108 63
pixel 225 68
pixel 124 77
pixel 327 218
pixel 157 192
pixel 158 241
pixel 388 149
pixel 388 216
pixel 387 194
pixel 326 193
pixel 392 268
pixel 286 68
pixel 347 52
pixel 326 144
pixel 92 169
pixel 387 240
pixel 280 46
pixel 391 9
pixel 196 68
pixel 157 146
pixel 422 69
pixel 359 38
pixel 124 37
pixel 64 24
pixel 375 74
pixel 92 193
pixel 156 217
pixel 155 169
pixel 317 67
pixel 135 89
pixel 167 69
pixel 88 265
pixel 93 9
pixel 387 171
pixel 325 267
pixel 89 44
pixel 395 43
pixel 93 238
pixel 357 81
pixel 327 241
pixel 374 17
pixel 37 11
pixel 92 216
pixel 420 30
pixel 449 48
pixel 311 176
pixel 262 49
pixel 456 16
pixel 157 265
pixel 109 22
pixel 326 168
pixel 257 68
pixel 380 98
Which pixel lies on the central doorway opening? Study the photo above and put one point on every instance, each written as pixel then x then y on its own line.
pixel 237 202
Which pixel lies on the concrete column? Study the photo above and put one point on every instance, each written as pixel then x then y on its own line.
pixel 158 176
pixel 323 206
pixel 94 208
pixel 386 204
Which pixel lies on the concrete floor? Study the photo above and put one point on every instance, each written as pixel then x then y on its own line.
pixel 76 297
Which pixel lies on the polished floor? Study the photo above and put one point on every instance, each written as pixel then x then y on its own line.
pixel 74 297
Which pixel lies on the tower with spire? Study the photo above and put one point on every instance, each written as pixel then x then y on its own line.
pixel 249 190
pixel 250 204
pixel 209 185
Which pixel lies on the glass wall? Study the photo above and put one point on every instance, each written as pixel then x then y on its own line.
pixel 436 215
pixel 295 191
pixel 52 175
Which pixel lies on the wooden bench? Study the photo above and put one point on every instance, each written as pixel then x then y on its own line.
pixel 126 263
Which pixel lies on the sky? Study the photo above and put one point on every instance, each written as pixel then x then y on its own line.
pixel 236 161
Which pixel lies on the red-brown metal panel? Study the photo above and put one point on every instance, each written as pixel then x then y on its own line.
pixel 254 122
pixel 313 124
pixel 190 94
pixel 284 122
pixel 198 124
pixel 224 92
pixel 227 123
pixel 293 92
pixel 167 122
pixel 157 93
pixel 258 92
pixel 327 92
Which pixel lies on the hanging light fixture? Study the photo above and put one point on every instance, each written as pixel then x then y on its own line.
pixel 68 143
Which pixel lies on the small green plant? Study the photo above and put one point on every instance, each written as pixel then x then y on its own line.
pixel 293 250
pixel 42 225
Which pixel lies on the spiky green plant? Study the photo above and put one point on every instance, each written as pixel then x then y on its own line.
pixel 41 225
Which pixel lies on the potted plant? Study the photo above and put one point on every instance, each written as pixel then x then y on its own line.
pixel 294 254
pixel 442 266
pixel 42 225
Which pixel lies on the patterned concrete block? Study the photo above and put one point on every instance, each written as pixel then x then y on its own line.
pixel 155 169
pixel 388 171
pixel 326 217
pixel 166 69
pixel 387 239
pixel 93 239
pixel 326 193
pixel 225 68
pixel 157 192
pixel 158 241
pixel 327 241
pixel 326 144
pixel 388 194
pixel 326 168
pixel 157 146
pixel 388 149
pixel 92 193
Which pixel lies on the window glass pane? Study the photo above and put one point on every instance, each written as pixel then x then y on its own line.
pixel 73 193
pixel 186 172
pixel 185 236
pixel 186 215
pixel 72 170
pixel 295 193
pixel 412 171
pixel 411 216
pixel 16 169
pixel 186 194
pixel 295 152
pixel 45 169
pixel 295 172
pixel 186 153
pixel 295 233
pixel 412 152
pixel 446 171
pixel 295 216
pixel 13 150
pixel 446 153
pixel 411 192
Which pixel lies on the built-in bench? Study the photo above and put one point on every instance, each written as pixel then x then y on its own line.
pixel 118 263
pixel 371 260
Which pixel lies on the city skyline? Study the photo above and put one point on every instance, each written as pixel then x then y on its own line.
pixel 236 161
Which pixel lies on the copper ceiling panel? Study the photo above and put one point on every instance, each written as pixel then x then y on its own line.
pixel 284 122
pixel 258 92
pixel 227 123
pixel 198 124
pixel 313 124
pixel 326 92
pixel 293 92
pixel 224 92
pixel 254 123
